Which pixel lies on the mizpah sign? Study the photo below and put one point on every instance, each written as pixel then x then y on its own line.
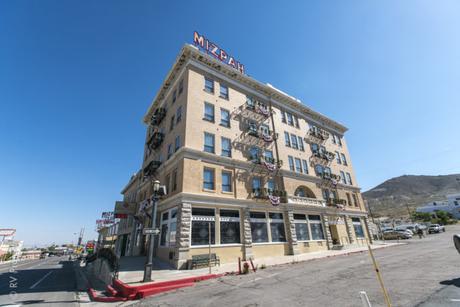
pixel 214 50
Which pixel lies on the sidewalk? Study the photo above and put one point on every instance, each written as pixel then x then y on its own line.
pixel 132 268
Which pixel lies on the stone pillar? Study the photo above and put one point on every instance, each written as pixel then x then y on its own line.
pixel 327 231
pixel 247 237
pixel 366 224
pixel 290 232
pixel 350 229
pixel 183 228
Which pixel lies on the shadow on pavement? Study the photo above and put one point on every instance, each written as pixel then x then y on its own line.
pixel 453 282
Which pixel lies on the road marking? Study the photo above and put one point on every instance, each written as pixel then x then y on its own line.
pixel 455 300
pixel 41 279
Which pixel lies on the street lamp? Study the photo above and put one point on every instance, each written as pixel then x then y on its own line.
pixel 149 262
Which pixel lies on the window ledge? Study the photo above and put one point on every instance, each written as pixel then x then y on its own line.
pixel 216 245
pixel 269 243
pixel 228 193
pixel 208 91
pixel 223 125
pixel 209 120
pixel 209 191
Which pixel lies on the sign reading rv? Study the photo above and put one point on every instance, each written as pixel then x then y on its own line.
pixel 214 50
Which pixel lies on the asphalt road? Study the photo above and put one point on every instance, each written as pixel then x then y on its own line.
pixel 46 282
pixel 425 272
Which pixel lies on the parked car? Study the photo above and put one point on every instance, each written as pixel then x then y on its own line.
pixel 395 235
pixel 436 228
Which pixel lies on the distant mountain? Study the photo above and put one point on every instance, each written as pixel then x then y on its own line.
pixel 390 198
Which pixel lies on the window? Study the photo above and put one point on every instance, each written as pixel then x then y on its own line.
pixel 319 170
pixel 178 114
pixel 224 118
pixel 168 180
pixel 291 163
pixel 327 172
pixel 358 227
pixel 208 112
pixel 270 186
pixel 314 148
pixel 344 160
pixel 168 228
pixel 170 150
pixel 294 141
pixel 337 156
pixel 226 147
pixel 226 181
pixel 283 116
pixel 201 220
pixel 208 179
pixel 339 141
pixel 301 143
pixel 349 179
pixel 174 97
pixel 259 230
pixel 250 103
pixel 256 187
pixel 209 85
pixel 229 227
pixel 171 126
pixel 298 165
pixel 301 227
pixel 209 142
pixel 174 180
pixel 334 140
pixel 268 156
pixel 265 130
pixel 277 227
pixel 342 177
pixel 287 140
pixel 177 143
pixel 223 91
pixel 296 121
pixel 290 119
pixel 355 200
pixel 254 152
pixel 305 166
pixel 181 86
pixel 316 227
pixel 349 199
pixel 326 194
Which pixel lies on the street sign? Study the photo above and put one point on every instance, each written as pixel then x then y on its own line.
pixel 151 231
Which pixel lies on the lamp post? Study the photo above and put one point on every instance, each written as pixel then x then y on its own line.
pixel 149 263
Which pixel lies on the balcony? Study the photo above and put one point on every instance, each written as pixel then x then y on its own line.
pixel 305 201
pixel 257 107
pixel 264 193
pixel 319 134
pixel 155 140
pixel 270 163
pixel 151 168
pixel 265 134
pixel 158 116
pixel 327 156
pixel 335 202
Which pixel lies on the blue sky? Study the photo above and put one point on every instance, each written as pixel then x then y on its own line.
pixel 77 76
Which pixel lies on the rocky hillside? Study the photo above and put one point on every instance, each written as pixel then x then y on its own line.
pixel 390 198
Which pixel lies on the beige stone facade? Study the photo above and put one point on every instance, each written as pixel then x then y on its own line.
pixel 271 176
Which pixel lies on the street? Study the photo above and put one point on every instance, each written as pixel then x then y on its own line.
pixel 425 272
pixel 44 282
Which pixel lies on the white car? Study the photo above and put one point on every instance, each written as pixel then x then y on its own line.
pixel 436 228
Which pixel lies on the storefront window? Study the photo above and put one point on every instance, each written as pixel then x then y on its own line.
pixel 201 219
pixel 277 227
pixel 316 227
pixel 358 227
pixel 229 226
pixel 301 227
pixel 259 227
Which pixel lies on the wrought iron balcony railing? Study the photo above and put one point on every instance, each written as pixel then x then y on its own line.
pixel 155 140
pixel 158 116
pixel 151 168
pixel 318 134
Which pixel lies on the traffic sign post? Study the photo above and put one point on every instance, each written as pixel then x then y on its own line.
pixel 151 231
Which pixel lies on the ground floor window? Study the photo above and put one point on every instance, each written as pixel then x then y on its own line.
pixel 168 227
pixel 259 230
pixel 316 227
pixel 229 226
pixel 277 227
pixel 358 227
pixel 301 227
pixel 201 220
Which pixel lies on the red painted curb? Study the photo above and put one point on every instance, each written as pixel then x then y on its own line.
pixel 106 299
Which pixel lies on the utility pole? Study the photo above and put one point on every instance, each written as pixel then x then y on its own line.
pixel 410 214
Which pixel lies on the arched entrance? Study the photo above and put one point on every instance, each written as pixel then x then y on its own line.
pixel 303 191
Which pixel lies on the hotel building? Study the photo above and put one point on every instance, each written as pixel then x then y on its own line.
pixel 268 175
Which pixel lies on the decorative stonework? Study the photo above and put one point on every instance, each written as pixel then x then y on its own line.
pixel 350 229
pixel 290 232
pixel 247 237
pixel 184 219
pixel 327 231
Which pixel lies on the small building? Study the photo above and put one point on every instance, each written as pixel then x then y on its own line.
pixel 31 254
pixel 451 205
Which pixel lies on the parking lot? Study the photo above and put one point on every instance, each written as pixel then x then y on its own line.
pixel 424 272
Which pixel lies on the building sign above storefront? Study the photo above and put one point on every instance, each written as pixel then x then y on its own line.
pixel 211 48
